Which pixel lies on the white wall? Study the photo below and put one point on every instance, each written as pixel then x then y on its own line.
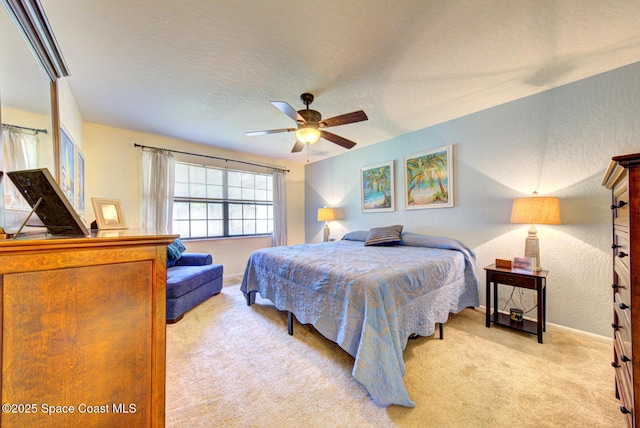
pixel 558 142
pixel 70 116
pixel 114 170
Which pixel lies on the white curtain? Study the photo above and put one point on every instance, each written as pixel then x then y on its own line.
pixel 279 209
pixel 158 172
pixel 19 152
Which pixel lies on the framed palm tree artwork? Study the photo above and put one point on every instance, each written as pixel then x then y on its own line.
pixel 377 188
pixel 428 179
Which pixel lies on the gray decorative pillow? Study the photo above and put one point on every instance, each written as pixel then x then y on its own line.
pixel 389 235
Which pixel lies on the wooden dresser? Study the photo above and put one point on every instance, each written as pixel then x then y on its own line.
pixel 623 179
pixel 82 323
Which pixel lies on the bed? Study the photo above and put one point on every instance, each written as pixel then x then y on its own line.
pixel 368 299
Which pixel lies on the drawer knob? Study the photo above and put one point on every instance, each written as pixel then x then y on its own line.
pixel 620 205
pixel 615 286
pixel 624 358
pixel 614 325
pixel 622 254
pixel 623 306
pixel 615 365
pixel 624 410
pixel 614 246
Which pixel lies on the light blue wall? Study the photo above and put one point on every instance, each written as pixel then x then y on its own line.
pixel 558 142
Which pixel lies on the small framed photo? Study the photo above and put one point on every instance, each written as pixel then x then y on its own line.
pixel 377 187
pixel 108 213
pixel 524 263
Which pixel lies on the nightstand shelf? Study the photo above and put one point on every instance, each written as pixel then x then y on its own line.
pixel 527 326
pixel 531 280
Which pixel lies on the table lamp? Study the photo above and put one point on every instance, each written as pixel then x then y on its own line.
pixel 535 210
pixel 326 214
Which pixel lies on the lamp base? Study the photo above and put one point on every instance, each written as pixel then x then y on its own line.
pixel 532 248
pixel 326 232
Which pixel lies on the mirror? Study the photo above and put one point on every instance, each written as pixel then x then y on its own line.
pixel 25 88
pixel 25 97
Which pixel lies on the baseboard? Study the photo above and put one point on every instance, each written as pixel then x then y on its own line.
pixel 580 333
pixel 568 330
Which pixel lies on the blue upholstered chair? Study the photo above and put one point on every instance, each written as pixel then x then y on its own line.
pixel 190 281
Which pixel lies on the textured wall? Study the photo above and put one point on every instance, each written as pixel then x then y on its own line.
pixel 558 142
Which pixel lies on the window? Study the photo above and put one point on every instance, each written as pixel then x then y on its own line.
pixel 215 202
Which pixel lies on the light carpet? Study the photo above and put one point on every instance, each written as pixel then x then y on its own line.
pixel 230 365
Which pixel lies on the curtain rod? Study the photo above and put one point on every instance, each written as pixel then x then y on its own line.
pixel 44 131
pixel 213 157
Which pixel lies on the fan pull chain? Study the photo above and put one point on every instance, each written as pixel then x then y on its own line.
pixel 307 152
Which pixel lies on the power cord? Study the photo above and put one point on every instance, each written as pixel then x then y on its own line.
pixel 510 299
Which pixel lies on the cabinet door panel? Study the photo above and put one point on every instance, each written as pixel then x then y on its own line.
pixel 86 331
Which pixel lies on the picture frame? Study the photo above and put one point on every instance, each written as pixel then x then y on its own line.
pixel 524 264
pixel 428 179
pixel 377 188
pixel 108 213
pixel 80 205
pixel 66 165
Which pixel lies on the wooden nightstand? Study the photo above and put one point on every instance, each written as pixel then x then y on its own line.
pixel 531 280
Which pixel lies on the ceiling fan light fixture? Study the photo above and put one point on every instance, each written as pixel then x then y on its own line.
pixel 308 134
pixel 308 121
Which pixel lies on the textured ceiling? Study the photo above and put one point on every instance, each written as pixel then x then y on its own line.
pixel 205 71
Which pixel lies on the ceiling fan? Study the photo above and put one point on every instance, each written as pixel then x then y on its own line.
pixel 311 126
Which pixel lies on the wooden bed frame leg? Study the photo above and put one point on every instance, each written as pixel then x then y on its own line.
pixel 290 323
pixel 441 331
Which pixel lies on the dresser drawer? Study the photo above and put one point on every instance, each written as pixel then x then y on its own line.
pixel 622 308
pixel 624 390
pixel 520 281
pixel 622 327
pixel 623 358
pixel 621 197
pixel 623 293
pixel 622 249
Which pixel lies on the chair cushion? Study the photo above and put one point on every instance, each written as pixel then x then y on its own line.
pixel 182 279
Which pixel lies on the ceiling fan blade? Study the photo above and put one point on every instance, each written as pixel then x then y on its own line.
pixel 288 110
pixel 343 119
pixel 269 131
pixel 297 147
pixel 341 141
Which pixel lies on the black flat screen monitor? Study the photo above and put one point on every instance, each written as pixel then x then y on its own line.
pixel 55 211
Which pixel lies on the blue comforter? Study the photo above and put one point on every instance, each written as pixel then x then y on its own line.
pixel 369 300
